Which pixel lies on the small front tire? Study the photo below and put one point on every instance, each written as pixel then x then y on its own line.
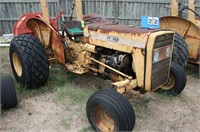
pixel 176 81
pixel 108 110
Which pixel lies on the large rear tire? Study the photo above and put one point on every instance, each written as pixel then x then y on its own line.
pixel 8 93
pixel 29 61
pixel 180 52
pixel 176 81
pixel 108 110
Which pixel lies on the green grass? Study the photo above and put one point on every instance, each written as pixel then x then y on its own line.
pixel 63 84
pixel 55 81
pixel 65 122
pixel 193 70
pixel 87 129
pixel 74 93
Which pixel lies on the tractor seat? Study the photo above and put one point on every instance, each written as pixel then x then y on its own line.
pixel 75 31
pixel 72 28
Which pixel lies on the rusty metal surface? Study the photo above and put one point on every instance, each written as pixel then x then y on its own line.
pixel 95 26
pixel 139 65
pixel 40 29
pixel 107 26
pixel 123 29
pixel 57 46
pixel 197 18
pixel 106 35
pixel 11 10
pixel 48 36
pixel 21 28
pixel 118 41
pixel 149 61
pixel 188 30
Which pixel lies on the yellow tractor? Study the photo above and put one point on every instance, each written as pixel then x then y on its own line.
pixel 187 33
pixel 132 58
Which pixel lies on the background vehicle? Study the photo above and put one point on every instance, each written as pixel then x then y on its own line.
pixel 187 30
pixel 132 58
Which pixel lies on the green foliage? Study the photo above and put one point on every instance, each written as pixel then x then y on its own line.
pixel 61 82
pixel 87 129
pixel 74 92
pixel 65 122
pixel 193 70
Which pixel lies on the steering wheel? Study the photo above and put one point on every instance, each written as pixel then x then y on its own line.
pixel 92 20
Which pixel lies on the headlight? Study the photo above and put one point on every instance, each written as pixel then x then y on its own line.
pixel 156 56
pixel 168 51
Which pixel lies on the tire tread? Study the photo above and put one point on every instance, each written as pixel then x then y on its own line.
pixel 36 71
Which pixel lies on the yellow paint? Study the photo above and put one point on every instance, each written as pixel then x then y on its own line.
pixel 149 59
pixel 45 11
pixel 17 64
pixel 49 37
pixel 79 11
pixel 191 15
pixel 188 30
pixel 174 7
pixel 76 69
pixel 40 28
pixel 99 38
pixel 138 64
pixel 125 86
pixel 90 48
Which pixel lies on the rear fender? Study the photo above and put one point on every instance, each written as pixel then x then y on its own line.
pixel 48 36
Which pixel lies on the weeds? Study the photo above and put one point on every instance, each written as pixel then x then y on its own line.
pixel 65 122
pixel 193 70
pixel 74 93
pixel 87 129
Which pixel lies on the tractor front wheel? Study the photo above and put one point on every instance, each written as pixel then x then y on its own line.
pixel 108 110
pixel 29 61
pixel 176 81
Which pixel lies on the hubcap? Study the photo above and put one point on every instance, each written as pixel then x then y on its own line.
pixel 103 119
pixel 17 64
pixel 170 83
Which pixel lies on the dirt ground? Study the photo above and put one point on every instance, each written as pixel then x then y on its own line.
pixel 154 112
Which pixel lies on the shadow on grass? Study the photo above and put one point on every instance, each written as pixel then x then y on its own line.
pixel 193 70
pixel 143 103
pixel 65 83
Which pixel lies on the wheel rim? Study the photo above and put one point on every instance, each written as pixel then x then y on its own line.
pixel 170 83
pixel 17 64
pixel 103 119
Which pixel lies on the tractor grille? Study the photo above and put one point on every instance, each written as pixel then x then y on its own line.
pixel 160 69
pixel 159 73
pixel 163 40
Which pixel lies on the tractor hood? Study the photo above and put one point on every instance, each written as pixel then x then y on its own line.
pixel 106 34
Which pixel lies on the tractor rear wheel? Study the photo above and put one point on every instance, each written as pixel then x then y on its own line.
pixel 180 52
pixel 108 110
pixel 8 93
pixel 29 61
pixel 176 81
